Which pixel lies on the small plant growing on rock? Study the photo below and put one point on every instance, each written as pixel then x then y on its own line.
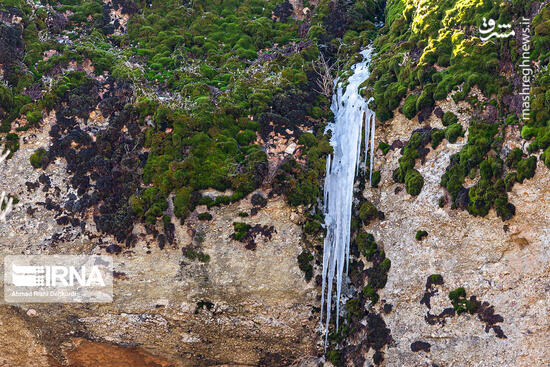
pixel 384 147
pixel 205 216
pixel 526 168
pixel 514 157
pixel 353 306
pixel 6 202
pixel 370 293
pixel 312 227
pixel 335 358
pixel 437 137
pixel 420 235
pixel 434 279
pixel 409 106
pixel 453 132
pixel 192 254
pixel 375 179
pixel 37 157
pixel 449 118
pixel 414 182
pixel 304 263
pixel 367 212
pixel 241 230
pixel 460 303
pixel 258 200
pixel 366 244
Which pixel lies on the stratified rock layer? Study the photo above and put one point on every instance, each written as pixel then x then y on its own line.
pixel 242 307
pixel 503 263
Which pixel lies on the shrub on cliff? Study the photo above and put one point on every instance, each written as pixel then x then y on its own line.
pixel 545 157
pixel 514 157
pixel 526 168
pixel 370 293
pixel 367 212
pixel 426 97
pixel 241 230
pixel 453 132
pixel 414 182
pixel 437 137
pixel 420 235
pixel 205 216
pixel 376 176
pixel 409 106
pixel 449 118
pixel 37 157
pixel 366 244
pixel 304 263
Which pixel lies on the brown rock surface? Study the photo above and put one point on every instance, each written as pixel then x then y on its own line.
pixel 261 305
pixel 503 263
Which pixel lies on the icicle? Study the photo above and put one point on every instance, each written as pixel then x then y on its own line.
pixel 367 132
pixel 327 174
pixel 358 150
pixel 8 208
pixel 3 156
pixel 351 116
pixel 371 150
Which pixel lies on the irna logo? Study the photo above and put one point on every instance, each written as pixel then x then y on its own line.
pixel 56 276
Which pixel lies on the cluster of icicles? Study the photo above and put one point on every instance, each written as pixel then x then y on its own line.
pixel 351 117
pixel 4 200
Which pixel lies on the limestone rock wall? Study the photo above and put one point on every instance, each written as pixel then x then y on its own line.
pixel 503 263
pixel 242 307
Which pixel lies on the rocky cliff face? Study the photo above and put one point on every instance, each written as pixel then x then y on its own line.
pixel 241 307
pixel 503 263
pixel 193 290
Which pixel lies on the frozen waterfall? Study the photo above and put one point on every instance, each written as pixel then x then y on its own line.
pixel 351 117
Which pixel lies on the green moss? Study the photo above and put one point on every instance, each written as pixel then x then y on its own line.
pixel 205 216
pixel 420 235
pixel 409 107
pixel 241 230
pixel 38 157
pixel 452 132
pixel 376 176
pixel 367 212
pixel 449 118
pixel 304 263
pixel 526 168
pixel 414 182
pixel 384 147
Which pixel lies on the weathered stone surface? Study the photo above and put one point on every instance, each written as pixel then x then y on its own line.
pixel 503 263
pixel 261 305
